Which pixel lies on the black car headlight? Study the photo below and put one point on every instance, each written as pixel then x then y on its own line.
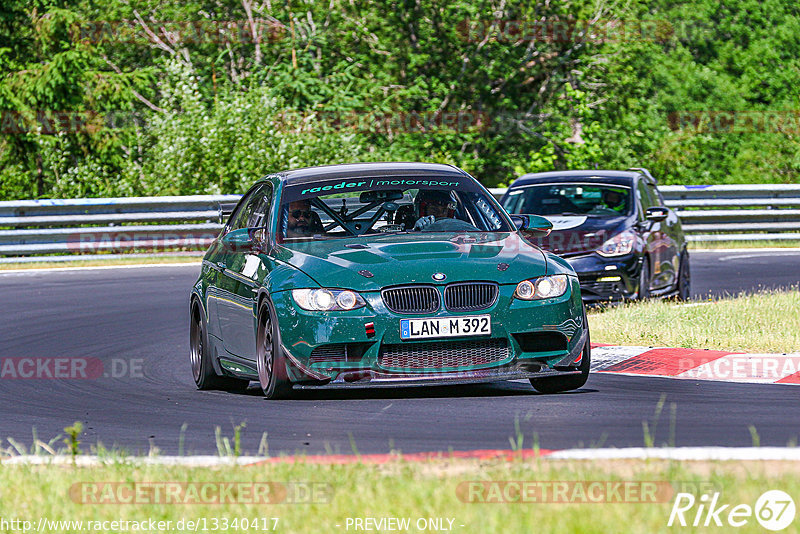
pixel 619 245
pixel 544 287
pixel 327 299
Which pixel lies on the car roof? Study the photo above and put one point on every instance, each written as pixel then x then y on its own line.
pixel 598 175
pixel 364 170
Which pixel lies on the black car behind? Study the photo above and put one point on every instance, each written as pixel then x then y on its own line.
pixel 613 227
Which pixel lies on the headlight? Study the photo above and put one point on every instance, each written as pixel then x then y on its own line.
pixel 327 299
pixel 545 287
pixel 619 245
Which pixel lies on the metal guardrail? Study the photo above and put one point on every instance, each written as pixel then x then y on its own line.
pixel 91 225
pixel 746 212
pixel 86 226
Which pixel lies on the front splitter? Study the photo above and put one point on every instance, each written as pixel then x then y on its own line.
pixel 374 379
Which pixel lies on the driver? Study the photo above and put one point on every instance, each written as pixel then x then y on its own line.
pixel 614 199
pixel 299 221
pixel 432 205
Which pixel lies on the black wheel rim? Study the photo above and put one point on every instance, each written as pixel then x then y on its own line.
pixel 265 349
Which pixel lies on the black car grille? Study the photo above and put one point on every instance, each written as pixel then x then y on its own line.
pixel 329 353
pixel 470 296
pixel 600 288
pixel 339 352
pixel 441 354
pixel 541 341
pixel 411 299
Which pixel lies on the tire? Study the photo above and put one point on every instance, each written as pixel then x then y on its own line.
pixel 684 278
pixel 644 280
pixel 557 384
pixel 200 358
pixel 270 361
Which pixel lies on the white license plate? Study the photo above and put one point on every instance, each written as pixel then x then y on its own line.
pixel 469 325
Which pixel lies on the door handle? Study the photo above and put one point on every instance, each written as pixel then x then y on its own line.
pixel 221 266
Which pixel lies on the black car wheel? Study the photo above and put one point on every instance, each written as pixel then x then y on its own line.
pixel 270 361
pixel 644 280
pixel 202 369
pixel 684 278
pixel 557 384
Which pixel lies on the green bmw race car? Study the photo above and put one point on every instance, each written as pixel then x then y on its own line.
pixel 383 274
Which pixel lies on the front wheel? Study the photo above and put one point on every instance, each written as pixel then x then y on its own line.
pixel 684 278
pixel 644 280
pixel 270 361
pixel 557 384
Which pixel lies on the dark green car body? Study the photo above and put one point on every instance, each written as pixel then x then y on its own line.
pixel 248 271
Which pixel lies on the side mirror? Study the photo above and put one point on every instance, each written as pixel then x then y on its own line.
pixel 241 240
pixel 533 225
pixel 656 213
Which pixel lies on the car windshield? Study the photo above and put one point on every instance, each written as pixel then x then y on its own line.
pixel 592 199
pixel 356 207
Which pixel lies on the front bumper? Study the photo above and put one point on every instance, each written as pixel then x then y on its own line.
pixel 607 279
pixel 538 338
pixel 389 380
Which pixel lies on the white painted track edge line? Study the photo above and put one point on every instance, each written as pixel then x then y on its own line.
pixel 681 453
pixel 695 379
pixel 794 250
pixel 627 453
pixel 100 267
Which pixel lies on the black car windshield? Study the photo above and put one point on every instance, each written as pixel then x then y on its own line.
pixel 355 207
pixel 592 199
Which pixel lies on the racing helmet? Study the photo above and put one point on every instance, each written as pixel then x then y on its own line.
pixel 437 197
pixel 614 198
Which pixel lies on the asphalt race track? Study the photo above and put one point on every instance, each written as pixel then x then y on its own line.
pixel 136 321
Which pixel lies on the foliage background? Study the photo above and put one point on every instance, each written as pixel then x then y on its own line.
pixel 182 109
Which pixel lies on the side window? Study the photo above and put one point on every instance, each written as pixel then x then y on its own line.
pixel 656 194
pixel 645 197
pixel 253 210
pixel 513 201
pixel 261 204
pixel 489 214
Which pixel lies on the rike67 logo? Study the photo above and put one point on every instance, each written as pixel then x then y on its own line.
pixel 774 510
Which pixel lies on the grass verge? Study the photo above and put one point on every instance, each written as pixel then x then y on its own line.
pixel 442 490
pixel 767 321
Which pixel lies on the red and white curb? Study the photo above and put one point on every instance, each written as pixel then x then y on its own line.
pixel 697 364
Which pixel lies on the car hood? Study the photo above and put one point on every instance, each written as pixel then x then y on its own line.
pixel 414 258
pixel 579 234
